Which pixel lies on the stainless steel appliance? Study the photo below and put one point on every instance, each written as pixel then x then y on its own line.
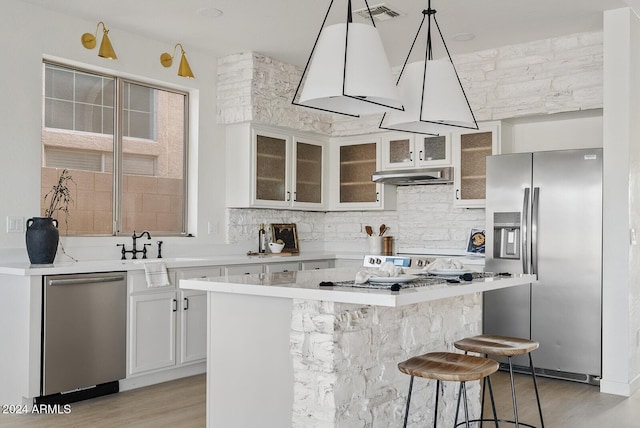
pixel 84 335
pixel 544 216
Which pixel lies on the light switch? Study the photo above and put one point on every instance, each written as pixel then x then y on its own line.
pixel 15 224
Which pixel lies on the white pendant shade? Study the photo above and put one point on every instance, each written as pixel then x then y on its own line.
pixel 368 74
pixel 441 106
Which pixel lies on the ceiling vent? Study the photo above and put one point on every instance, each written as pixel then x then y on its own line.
pixel 380 12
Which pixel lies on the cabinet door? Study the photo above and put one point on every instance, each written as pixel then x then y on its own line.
pixel 308 172
pixel 193 326
pixel 271 186
pixel 398 151
pixel 470 172
pixel 152 331
pixel 432 150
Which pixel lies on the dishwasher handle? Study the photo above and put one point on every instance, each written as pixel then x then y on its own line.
pixel 88 280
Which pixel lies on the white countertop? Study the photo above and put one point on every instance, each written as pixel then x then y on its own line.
pixel 25 269
pixel 305 285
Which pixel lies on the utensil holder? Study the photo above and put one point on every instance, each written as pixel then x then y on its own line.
pixel 387 246
pixel 375 244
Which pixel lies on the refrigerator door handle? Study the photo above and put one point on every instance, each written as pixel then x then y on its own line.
pixel 534 230
pixel 525 223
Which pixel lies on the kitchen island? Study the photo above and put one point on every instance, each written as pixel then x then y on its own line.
pixel 284 351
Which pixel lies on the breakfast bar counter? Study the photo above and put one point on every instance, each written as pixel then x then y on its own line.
pixel 284 351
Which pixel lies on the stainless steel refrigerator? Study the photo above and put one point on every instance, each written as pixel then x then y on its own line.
pixel 544 216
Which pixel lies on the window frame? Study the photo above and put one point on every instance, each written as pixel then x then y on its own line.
pixel 118 138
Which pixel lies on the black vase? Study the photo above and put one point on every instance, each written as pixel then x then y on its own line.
pixel 42 240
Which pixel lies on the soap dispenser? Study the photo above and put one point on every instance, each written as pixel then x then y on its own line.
pixel 262 240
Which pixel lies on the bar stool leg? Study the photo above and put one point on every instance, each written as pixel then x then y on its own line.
pixel 513 394
pixel 493 402
pixel 435 412
pixel 406 413
pixel 466 406
pixel 535 386
pixel 455 422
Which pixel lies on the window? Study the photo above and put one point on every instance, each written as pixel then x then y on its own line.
pixel 134 182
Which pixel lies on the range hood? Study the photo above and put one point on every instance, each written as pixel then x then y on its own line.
pixel 400 177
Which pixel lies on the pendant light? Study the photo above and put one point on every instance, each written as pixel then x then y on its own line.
pixel 348 71
pixel 431 92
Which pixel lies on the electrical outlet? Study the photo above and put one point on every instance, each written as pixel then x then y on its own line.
pixel 15 224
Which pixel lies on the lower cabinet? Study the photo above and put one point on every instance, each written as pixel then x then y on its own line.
pixel 167 326
pixel 152 331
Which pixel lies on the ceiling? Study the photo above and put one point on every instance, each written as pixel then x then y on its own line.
pixel 286 29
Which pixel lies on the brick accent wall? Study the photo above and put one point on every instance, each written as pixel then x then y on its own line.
pixel 548 76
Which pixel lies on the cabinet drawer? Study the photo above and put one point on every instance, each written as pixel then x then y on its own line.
pixel 137 282
pixel 317 264
pixel 200 272
pixel 243 269
pixel 282 267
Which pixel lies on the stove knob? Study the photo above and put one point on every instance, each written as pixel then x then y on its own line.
pixel 378 261
pixel 420 263
pixel 371 260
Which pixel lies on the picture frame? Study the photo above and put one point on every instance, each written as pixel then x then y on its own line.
pixel 288 233
pixel 476 242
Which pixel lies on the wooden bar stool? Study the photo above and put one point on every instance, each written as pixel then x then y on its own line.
pixel 505 347
pixel 451 367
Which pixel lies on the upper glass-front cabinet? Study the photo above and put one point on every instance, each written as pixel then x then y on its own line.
pixel 470 170
pixel 404 150
pixel 270 168
pixel 308 171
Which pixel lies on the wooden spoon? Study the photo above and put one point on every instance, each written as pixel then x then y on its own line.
pixel 369 230
pixel 383 229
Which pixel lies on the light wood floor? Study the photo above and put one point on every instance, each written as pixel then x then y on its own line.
pixel 181 404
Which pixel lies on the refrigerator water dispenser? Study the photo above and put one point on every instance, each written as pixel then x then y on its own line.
pixel 506 228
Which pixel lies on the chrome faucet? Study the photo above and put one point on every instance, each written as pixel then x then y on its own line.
pixel 134 251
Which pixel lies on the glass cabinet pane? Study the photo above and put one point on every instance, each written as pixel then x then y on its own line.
pixel 432 148
pixel 308 173
pixel 400 151
pixel 474 148
pixel 270 168
pixel 357 164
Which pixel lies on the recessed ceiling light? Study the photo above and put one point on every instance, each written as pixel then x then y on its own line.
pixel 210 12
pixel 463 37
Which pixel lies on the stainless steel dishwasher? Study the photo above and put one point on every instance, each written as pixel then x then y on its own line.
pixel 83 335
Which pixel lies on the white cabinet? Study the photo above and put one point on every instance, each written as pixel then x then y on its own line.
pixel 470 151
pixel 193 326
pixel 167 326
pixel 316 264
pixel 405 150
pixel 353 162
pixel 282 267
pixel 152 331
pixel 274 168
pixel 243 269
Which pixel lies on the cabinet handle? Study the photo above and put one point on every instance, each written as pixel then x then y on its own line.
pixel 420 155
pixel 175 305
pixel 295 196
pixel 457 192
pixel 288 196
pixel 186 304
pixel 411 156
pixel 377 196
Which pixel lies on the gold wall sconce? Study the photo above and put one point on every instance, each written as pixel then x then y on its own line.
pixel 183 69
pixel 106 50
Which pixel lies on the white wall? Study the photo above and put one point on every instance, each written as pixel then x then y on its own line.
pixel 30 33
pixel 621 214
